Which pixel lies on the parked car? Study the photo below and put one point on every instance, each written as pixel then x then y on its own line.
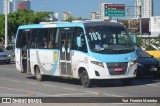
pixel 10 49
pixel 4 57
pixel 147 64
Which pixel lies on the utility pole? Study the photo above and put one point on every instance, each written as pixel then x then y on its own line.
pixel 6 23
pixel 100 2
pixel 129 12
pixel 140 22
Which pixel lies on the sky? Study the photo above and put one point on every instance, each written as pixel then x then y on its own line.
pixel 78 8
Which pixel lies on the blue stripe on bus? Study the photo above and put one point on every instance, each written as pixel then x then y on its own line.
pixel 73 24
pixel 54 67
pixel 31 26
pixel 106 58
pixel 114 57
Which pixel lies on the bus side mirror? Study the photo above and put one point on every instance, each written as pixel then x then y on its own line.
pixel 79 41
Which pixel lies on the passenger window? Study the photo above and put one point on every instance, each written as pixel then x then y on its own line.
pixel 20 38
pixel 42 38
pixel 52 38
pixel 33 38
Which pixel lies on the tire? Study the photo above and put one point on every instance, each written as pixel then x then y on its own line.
pixel 22 71
pixel 38 74
pixel 157 74
pixel 126 82
pixel 8 61
pixel 14 60
pixel 85 81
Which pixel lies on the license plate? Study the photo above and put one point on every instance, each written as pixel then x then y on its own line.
pixel 153 69
pixel 118 69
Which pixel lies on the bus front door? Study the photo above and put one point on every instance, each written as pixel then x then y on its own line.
pixel 25 53
pixel 65 53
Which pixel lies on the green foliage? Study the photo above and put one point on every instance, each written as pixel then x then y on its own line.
pixel 139 41
pixel 21 17
pixel 1 26
pixel 149 43
pixel 70 19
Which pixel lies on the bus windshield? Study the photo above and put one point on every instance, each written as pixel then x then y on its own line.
pixel 109 39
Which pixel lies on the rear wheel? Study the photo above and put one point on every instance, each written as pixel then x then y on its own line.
pixel 126 82
pixel 39 76
pixel 85 81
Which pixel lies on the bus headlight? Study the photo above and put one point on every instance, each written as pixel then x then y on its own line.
pixel 9 55
pixel 98 63
pixel 133 62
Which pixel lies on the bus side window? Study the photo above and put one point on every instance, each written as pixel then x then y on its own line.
pixel 20 38
pixel 42 38
pixel 52 38
pixel 33 38
pixel 77 32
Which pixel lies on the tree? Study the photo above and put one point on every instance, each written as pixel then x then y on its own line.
pixel 2 24
pixel 70 19
pixel 21 17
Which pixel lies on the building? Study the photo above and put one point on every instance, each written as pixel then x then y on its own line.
pixel 9 3
pixel 66 15
pixel 22 4
pixel 146 7
pixel 155 26
pixel 94 15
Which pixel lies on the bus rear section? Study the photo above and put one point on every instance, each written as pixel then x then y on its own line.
pixel 84 50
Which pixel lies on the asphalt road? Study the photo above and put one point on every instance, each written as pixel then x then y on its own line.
pixel 15 84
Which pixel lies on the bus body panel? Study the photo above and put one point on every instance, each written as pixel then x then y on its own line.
pixel 48 63
pixel 18 58
pixel 84 60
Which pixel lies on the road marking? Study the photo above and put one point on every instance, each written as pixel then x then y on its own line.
pixel 90 92
pixel 10 80
pixel 26 91
pixel 18 81
pixel 112 95
pixel 151 85
pixel 13 94
pixel 101 93
pixel 70 89
pixel 49 85
pixel 31 94
pixel 7 69
pixel 73 94
pixel 31 83
pixel 14 80
pixel 3 78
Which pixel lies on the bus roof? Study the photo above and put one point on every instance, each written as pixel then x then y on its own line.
pixel 71 24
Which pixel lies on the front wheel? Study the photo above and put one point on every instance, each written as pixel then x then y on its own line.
pixel 8 61
pixel 85 81
pixel 157 74
pixel 39 76
pixel 127 81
